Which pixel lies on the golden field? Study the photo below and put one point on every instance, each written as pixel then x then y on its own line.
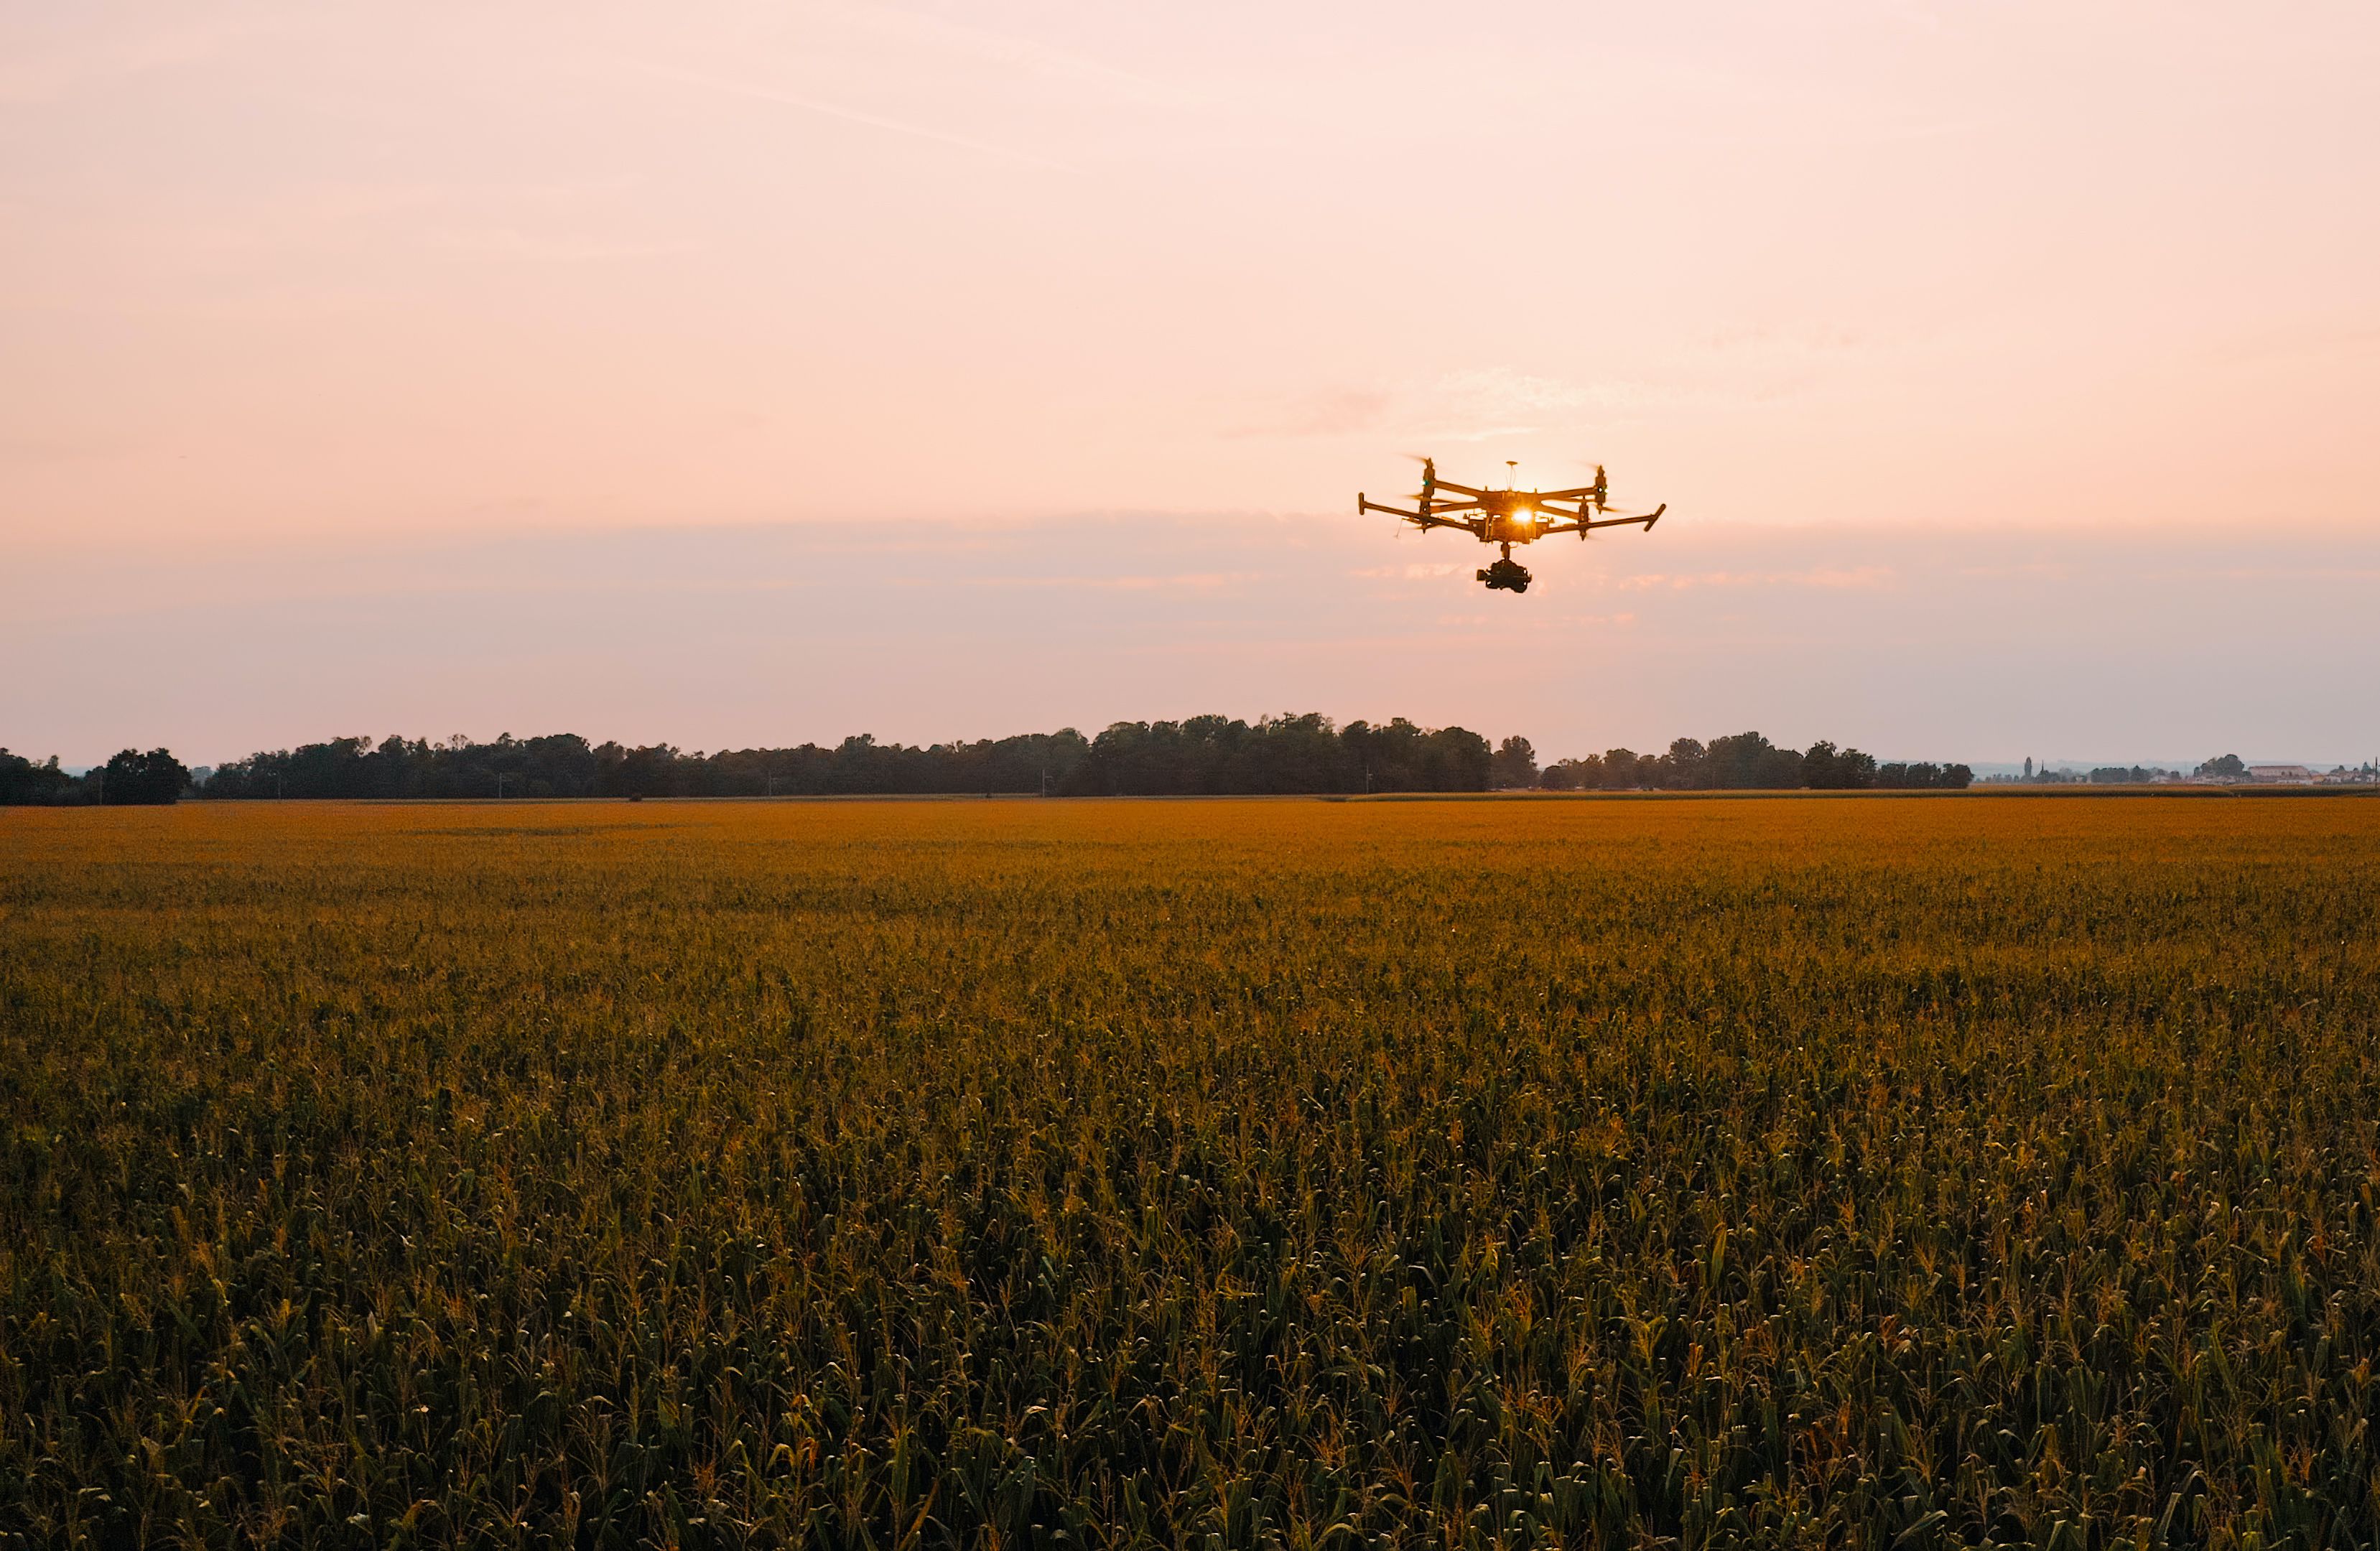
pixel 1868 1171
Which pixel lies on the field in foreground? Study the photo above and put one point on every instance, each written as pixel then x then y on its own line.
pixel 1878 1173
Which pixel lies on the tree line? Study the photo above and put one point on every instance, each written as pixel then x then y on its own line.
pixel 1743 762
pixel 131 777
pixel 1204 755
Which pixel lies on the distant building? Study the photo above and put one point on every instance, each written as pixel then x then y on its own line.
pixel 2285 774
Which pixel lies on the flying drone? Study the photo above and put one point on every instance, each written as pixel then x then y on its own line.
pixel 1511 516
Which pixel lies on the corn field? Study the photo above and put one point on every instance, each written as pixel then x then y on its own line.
pixel 1885 1173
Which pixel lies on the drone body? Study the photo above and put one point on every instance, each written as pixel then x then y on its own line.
pixel 1510 516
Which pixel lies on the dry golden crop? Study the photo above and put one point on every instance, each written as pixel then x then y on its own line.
pixel 1869 1171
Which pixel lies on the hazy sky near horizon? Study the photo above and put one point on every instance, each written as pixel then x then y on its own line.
pixel 763 373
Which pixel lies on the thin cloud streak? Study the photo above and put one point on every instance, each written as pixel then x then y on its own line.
pixel 1206 580
pixel 1862 576
pixel 1006 49
pixel 852 115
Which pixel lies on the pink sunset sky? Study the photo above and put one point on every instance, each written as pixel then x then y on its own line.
pixel 757 374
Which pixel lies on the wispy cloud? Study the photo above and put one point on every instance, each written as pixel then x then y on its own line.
pixel 1866 577
pixel 55 74
pixel 1195 580
pixel 852 115
pixel 1408 573
pixel 1480 404
pixel 2044 571
pixel 506 242
pixel 1475 403
pixel 1331 412
pixel 1504 625
pixel 2347 337
pixel 1007 51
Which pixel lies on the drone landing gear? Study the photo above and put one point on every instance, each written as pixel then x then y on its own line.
pixel 1507 574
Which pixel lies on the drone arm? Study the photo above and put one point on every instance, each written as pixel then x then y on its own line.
pixel 1365 504
pixel 1582 525
pixel 1419 519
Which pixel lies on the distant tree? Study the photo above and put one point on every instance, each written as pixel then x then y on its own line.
pixel 1457 760
pixel 651 772
pixel 1924 776
pixel 23 782
pixel 1818 763
pixel 1514 764
pixel 1733 762
pixel 1625 772
pixel 155 777
pixel 2224 767
pixel 1573 775
pixel 1827 769
pixel 1686 768
pixel 1401 757
pixel 1749 760
pixel 1297 753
